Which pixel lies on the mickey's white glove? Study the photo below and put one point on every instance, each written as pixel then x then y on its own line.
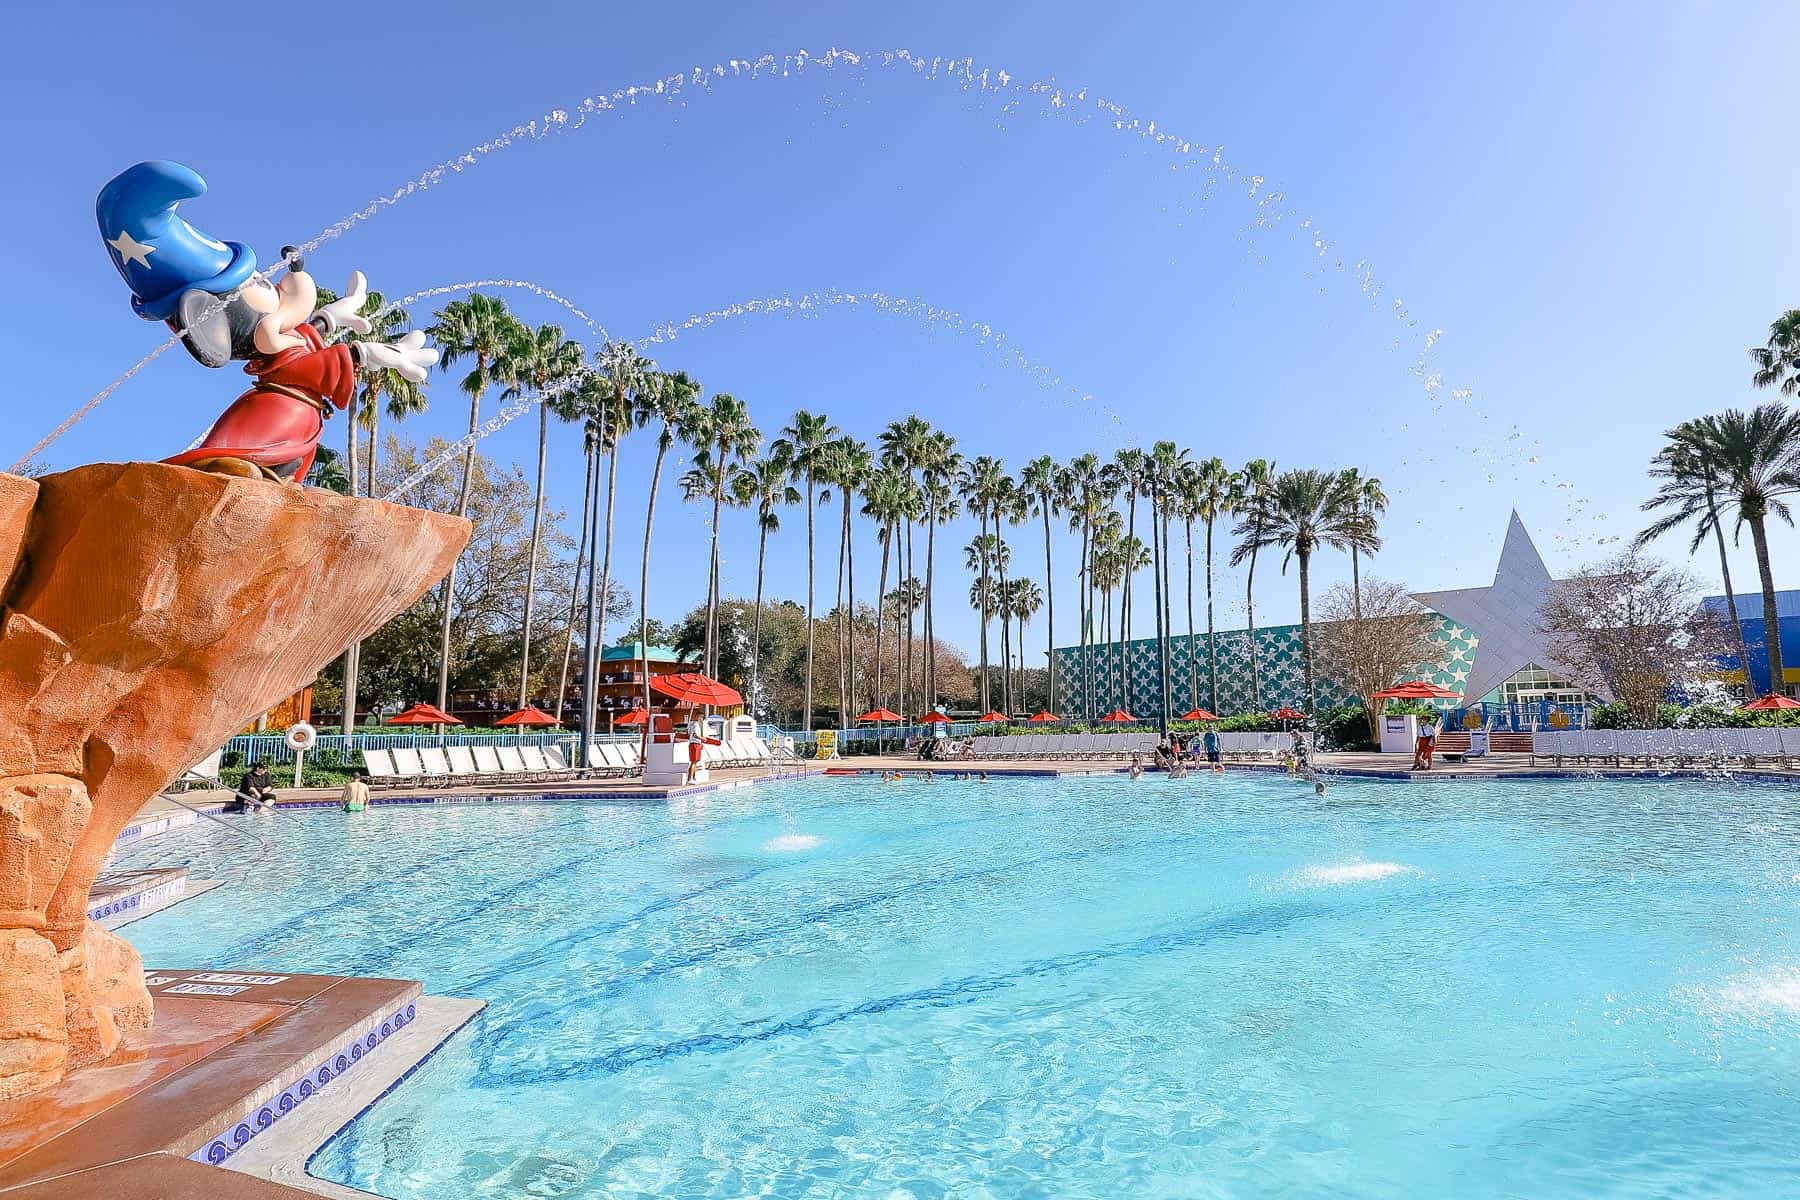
pixel 410 356
pixel 341 313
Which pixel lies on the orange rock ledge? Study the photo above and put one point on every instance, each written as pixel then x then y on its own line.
pixel 147 613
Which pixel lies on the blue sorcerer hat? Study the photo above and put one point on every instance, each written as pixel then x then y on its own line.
pixel 160 255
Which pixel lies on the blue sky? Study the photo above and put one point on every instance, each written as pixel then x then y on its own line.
pixel 1592 202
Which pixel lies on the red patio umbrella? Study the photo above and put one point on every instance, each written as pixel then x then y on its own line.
pixel 878 715
pixel 1198 714
pixel 934 717
pixel 1418 689
pixel 691 687
pixel 530 715
pixel 1119 716
pixel 992 718
pixel 1043 717
pixel 422 714
pixel 635 716
pixel 1287 713
pixel 1771 702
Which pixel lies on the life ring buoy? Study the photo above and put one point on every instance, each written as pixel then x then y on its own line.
pixel 301 736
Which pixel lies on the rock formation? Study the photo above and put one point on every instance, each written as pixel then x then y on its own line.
pixel 147 613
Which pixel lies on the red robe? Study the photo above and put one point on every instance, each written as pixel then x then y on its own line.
pixel 272 427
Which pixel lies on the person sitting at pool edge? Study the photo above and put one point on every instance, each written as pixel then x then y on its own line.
pixel 257 790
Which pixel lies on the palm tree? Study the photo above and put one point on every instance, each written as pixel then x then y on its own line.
pixel 1041 482
pixel 1126 474
pixel 1371 501
pixel 1756 458
pixel 583 401
pixel 1011 507
pixel 982 556
pixel 1080 485
pixel 1299 511
pixel 1778 360
pixel 623 372
pixel 765 485
pixel 534 360
pixel 803 445
pixel 886 500
pixel 404 397
pixel 1249 488
pixel 936 458
pixel 1691 489
pixel 848 465
pixel 980 484
pixel 1214 497
pixel 906 599
pixel 1024 602
pixel 673 402
pixel 724 436
pixel 480 328
pixel 1167 465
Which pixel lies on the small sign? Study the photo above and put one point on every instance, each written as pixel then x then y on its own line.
pixel 159 980
pixel 220 977
pixel 204 989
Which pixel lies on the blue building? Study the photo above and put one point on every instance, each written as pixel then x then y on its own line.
pixel 1750 614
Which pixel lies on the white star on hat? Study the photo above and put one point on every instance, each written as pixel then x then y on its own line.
pixel 129 249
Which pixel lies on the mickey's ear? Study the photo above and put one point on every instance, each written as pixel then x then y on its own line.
pixel 205 329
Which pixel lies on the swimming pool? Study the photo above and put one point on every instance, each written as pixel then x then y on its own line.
pixel 1082 987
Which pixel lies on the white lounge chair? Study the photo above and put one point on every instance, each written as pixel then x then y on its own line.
pixel 379 767
pixel 437 766
pixel 487 762
pixel 1762 744
pixel 406 764
pixel 462 764
pixel 512 763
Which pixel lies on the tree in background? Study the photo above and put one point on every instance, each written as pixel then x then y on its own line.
pixel 480 328
pixel 672 403
pixel 1249 490
pixel 1299 512
pixel 766 486
pixel 1633 628
pixel 803 444
pixel 535 360
pixel 1373 638
pixel 723 439
pixel 1690 492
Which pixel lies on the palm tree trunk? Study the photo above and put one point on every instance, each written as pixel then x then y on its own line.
pixel 374 447
pixel 1049 618
pixel 1212 644
pixel 850 578
pixel 982 559
pixel 597 618
pixel 1355 584
pixel 880 621
pixel 1250 620
pixel 809 600
pixel 1771 622
pixel 1306 657
pixel 931 681
pixel 352 655
pixel 1737 626
pixel 1005 621
pixel 1168 617
pixel 462 510
pixel 911 690
pixel 1086 580
pixel 1156 559
pixel 1125 601
pixel 1193 663
pixel 711 657
pixel 644 582
pixel 537 520
pixel 581 552
pixel 843 548
pixel 590 644
pixel 762 546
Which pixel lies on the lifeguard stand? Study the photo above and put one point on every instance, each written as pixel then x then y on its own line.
pixel 665 757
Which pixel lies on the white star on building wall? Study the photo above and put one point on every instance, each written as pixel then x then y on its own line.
pixel 1505 616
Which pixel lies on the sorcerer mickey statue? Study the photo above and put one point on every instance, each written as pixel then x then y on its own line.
pixel 212 295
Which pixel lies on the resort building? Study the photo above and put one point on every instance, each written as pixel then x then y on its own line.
pixel 619 685
pixel 1488 642
pixel 1750 616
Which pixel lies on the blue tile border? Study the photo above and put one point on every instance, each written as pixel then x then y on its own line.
pixel 305 1088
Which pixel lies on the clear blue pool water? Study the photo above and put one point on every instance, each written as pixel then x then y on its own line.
pixel 1090 987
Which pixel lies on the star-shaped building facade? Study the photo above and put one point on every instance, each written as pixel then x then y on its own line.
pixel 1505 615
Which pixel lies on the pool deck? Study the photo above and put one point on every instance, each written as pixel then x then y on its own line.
pixel 232 1054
